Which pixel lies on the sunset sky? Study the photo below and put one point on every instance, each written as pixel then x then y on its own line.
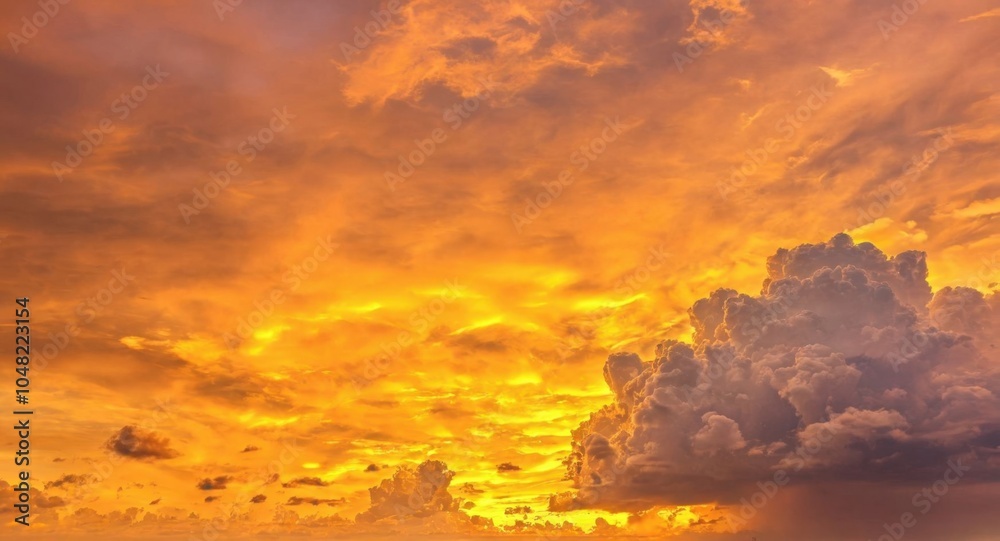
pixel 280 252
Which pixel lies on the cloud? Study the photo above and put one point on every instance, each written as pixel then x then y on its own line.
pixel 250 449
pixel 457 46
pixel 134 442
pixel 560 74
pixel 259 498
pixel 843 368
pixel 469 488
pixel 38 500
pixel 306 481
pixel 69 480
pixel 417 491
pixel 719 433
pixel 217 483
pixel 507 467
pixel 295 500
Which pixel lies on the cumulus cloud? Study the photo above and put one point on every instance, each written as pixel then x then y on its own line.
pixel 39 500
pixel 134 442
pixel 844 367
pixel 259 498
pixel 412 491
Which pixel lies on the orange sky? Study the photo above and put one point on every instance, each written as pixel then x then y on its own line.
pixel 431 235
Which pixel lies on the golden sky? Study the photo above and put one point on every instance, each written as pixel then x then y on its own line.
pixel 277 250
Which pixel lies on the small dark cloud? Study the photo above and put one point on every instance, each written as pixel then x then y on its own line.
pixel 210 499
pixel 156 501
pixel 306 481
pixel 250 449
pixel 372 467
pixel 507 467
pixel 260 498
pixel 69 480
pixel 518 510
pixel 295 500
pixel 58 459
pixel 218 483
pixel 134 442
pixel 469 488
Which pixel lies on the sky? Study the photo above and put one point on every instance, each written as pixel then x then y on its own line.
pixel 699 269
